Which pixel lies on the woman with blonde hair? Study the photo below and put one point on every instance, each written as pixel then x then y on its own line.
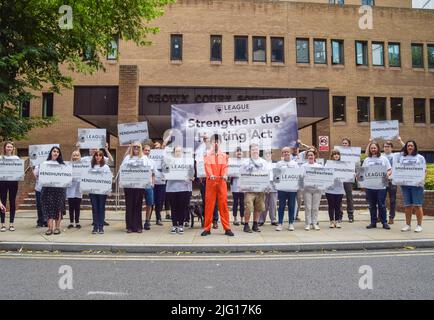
pixel 74 196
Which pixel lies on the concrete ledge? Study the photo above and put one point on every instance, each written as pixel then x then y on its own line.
pixel 213 248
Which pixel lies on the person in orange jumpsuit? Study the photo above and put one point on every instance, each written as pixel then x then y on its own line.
pixel 216 169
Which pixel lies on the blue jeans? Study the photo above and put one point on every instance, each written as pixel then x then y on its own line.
pixel 377 205
pixel 283 197
pixel 98 210
pixel 413 196
pixel 238 201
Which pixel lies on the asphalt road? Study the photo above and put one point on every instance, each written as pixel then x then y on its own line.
pixel 399 274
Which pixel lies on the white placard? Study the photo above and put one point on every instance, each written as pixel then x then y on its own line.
pixel 318 177
pixel 351 154
pixel 384 130
pixel 157 155
pixel 187 152
pixel 137 177
pixel 372 177
pixel 38 153
pixel 234 166
pixel 55 175
pixel 79 168
pixel 254 181
pixel 178 168
pixel 408 174
pixel 11 170
pixel 344 171
pixel 92 138
pixel 287 178
pixel 200 169
pixel 130 132
pixel 320 161
pixel 96 182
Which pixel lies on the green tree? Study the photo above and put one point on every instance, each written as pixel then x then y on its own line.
pixel 37 43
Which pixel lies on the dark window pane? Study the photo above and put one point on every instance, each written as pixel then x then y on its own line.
pixel 431 108
pixel 419 110
pixel 363 109
pixel 380 109
pixel 338 109
pixel 216 48
pixel 302 50
pixel 378 54
pixel 394 55
pixel 396 109
pixel 431 56
pixel 337 52
pixel 259 49
pixel 241 48
pixel 368 2
pixel 277 50
pixel 417 55
pixel 361 53
pixel 47 104
pixel 337 2
pixel 25 109
pixel 176 47
pixel 320 51
pixel 112 50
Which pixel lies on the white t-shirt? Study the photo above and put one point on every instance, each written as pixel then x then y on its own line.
pixel 390 156
pixel 313 165
pixel 417 159
pixel 10 157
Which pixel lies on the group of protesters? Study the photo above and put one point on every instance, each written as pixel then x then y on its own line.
pixel 253 207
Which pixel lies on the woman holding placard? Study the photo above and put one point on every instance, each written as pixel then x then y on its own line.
pixel 348 187
pixel 74 197
pixel 238 196
pixel 98 201
pixel 413 195
pixel 53 198
pixel 8 187
pixel 334 195
pixel 311 196
pixel 376 196
pixel 179 194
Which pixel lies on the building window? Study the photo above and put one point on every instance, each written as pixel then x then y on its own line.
pixel 302 50
pixel 417 55
pixel 377 53
pixel 368 3
pixel 259 49
pixel 363 109
pixel 431 108
pixel 216 48
pixel 47 104
pixel 380 109
pixel 341 2
pixel 176 47
pixel 320 51
pixel 337 52
pixel 277 49
pixel 361 53
pixel 394 55
pixel 241 48
pixel 431 56
pixel 25 109
pixel 396 109
pixel 112 51
pixel 89 53
pixel 338 109
pixel 419 111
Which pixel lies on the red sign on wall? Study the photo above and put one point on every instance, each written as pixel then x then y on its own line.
pixel 323 143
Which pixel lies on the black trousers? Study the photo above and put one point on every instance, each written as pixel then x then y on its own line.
pixel 74 209
pixel 133 205
pixel 10 187
pixel 159 199
pixel 238 201
pixel 334 204
pixel 179 202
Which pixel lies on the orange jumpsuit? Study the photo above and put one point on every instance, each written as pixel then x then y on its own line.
pixel 216 165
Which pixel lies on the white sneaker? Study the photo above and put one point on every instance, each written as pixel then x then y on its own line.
pixel 174 229
pixel 332 225
pixel 337 225
pixel 307 228
pixel 180 230
pixel 406 228
pixel 316 227
pixel 291 227
pixel 279 227
pixel 418 229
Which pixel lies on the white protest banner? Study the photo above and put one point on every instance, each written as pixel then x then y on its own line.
pixel 178 168
pixel 408 174
pixel 135 176
pixel 269 123
pixel 318 177
pixel 157 155
pixel 372 177
pixel 200 169
pixel 351 154
pixel 254 181
pixel 320 161
pixel 38 153
pixel 130 132
pixel 92 138
pixel 234 166
pixel 55 175
pixel 96 182
pixel 343 170
pixel 11 170
pixel 384 130
pixel 287 178
pixel 79 168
